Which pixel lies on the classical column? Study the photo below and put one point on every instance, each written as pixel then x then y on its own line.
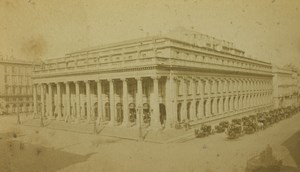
pixel 112 102
pixel 231 103
pixel 214 106
pixel 43 99
pixel 201 100
pixel 226 105
pixel 125 103
pixel 155 117
pixel 244 101
pixel 169 101
pixel 171 105
pixel 208 100
pixel 139 103
pixel 184 96
pixel 235 105
pixel 88 100
pixel 35 110
pixel 50 103
pixel 220 106
pixel 208 107
pixel 240 99
pixel 68 104
pixel 58 106
pixel 77 101
pixel 200 108
pixel 214 91
pixel 99 104
pixel 193 105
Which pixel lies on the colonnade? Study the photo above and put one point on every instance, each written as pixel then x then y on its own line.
pixel 202 97
pixel 166 100
pixel 117 101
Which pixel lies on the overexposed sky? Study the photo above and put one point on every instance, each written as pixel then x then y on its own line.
pixel 268 30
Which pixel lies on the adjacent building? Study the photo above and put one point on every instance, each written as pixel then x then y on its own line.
pixel 15 86
pixel 156 82
pixel 285 87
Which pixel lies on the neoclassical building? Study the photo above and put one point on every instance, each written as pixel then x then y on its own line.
pixel 15 86
pixel 285 87
pixel 155 81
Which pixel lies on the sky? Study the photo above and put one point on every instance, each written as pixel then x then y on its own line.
pixel 267 30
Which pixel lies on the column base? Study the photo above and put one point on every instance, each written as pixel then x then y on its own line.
pixel 77 120
pixel 125 124
pixel 155 126
pixel 111 123
pixel 98 121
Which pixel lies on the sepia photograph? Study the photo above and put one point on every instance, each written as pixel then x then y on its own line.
pixel 149 86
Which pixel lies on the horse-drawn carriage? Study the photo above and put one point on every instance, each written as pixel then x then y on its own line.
pixel 237 121
pixel 220 128
pixel 203 131
pixel 234 131
pixel 249 125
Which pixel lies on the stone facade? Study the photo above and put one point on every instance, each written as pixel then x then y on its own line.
pixel 154 81
pixel 16 86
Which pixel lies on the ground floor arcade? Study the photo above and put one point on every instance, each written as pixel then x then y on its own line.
pixel 160 101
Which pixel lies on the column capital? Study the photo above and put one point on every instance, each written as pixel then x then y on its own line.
pixel 184 79
pixel 221 78
pixel 198 77
pixel 111 80
pixel 155 77
pixel 194 79
pixel 180 77
pixel 203 79
pixel 124 79
pixel 226 79
pixel 191 78
pixel 171 77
